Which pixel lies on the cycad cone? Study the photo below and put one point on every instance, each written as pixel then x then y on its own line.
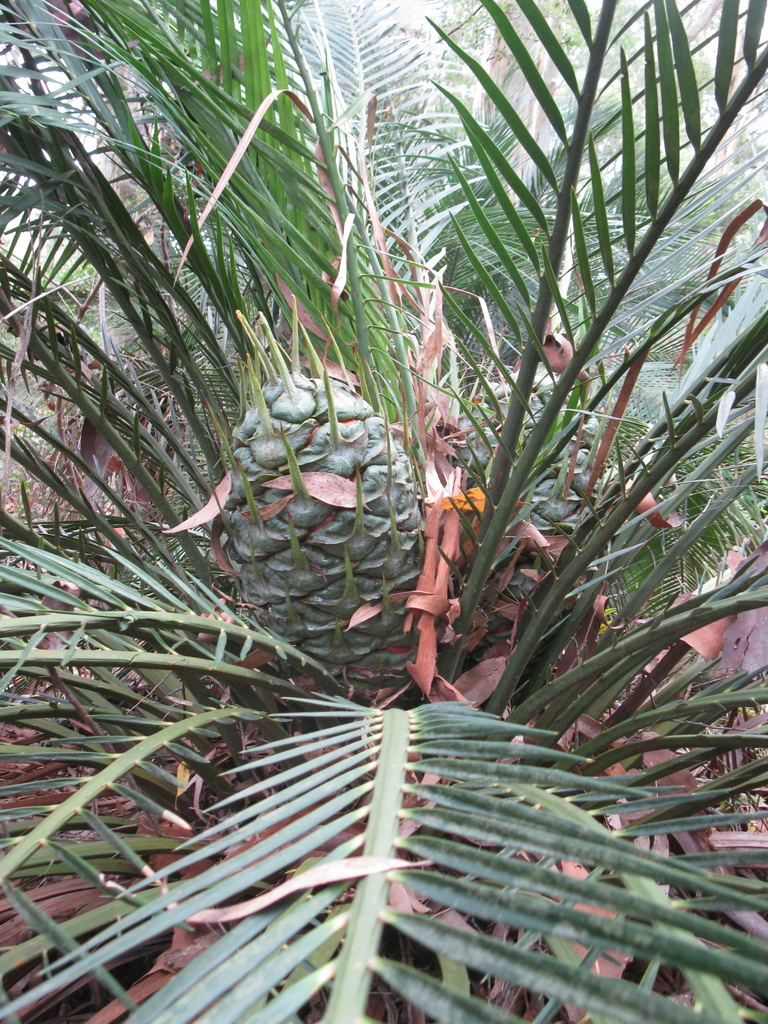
pixel 308 568
pixel 556 501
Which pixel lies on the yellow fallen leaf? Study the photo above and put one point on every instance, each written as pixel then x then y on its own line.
pixel 472 500
pixel 183 776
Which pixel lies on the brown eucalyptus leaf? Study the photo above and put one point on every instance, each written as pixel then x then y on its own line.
pixel 212 638
pixel 211 509
pixel 655 518
pixel 334 490
pixel 682 777
pixel 508 609
pixel 532 574
pixel 335 371
pixel 434 604
pixel 559 351
pixel 556 544
pixel 323 874
pixel 733 559
pixel 672 522
pixel 708 640
pixel 745 642
pixel 405 900
pixel 479 682
pixel 363 614
pixel 95 449
pixel 532 539
pixel 613 962
pixel 219 551
pixel 257 658
pixel 273 509
pixel 453 917
pixel 442 690
pixel 62 604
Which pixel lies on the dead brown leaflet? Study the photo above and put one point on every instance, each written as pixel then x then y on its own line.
pixel 431 600
pixel 234 161
pixel 693 330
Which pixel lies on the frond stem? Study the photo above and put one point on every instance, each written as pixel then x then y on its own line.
pixel 361 943
pixel 503 509
pixel 513 425
pixel 580 560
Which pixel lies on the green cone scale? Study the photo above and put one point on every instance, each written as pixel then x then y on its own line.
pixel 307 564
pixel 556 501
pixel 554 504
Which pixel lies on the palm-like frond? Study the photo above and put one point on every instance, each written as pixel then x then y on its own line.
pixel 126 620
pixel 202 775
pixel 588 269
pixel 137 374
pixel 491 830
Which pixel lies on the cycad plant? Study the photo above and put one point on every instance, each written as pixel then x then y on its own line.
pixel 282 506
